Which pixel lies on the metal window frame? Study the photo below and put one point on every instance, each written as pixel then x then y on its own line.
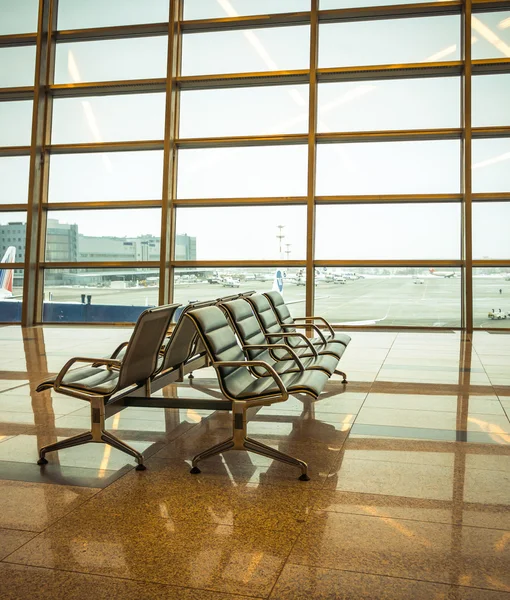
pixel 44 90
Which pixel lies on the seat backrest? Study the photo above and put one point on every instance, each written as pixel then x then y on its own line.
pixel 246 326
pixel 141 357
pixel 221 345
pixel 278 303
pixel 184 343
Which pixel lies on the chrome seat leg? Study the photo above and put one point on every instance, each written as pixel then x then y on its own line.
pixel 76 440
pixel 260 448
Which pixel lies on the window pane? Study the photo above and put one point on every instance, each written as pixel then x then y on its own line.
pixel 13 232
pixel 491 165
pixel 491 288
pixel 490 100
pixel 275 49
pixel 16 123
pixel 18 16
pixel 207 283
pixel 10 307
pixel 388 168
pixel 135 58
pixel 389 41
pixel 212 9
pixel 108 118
pixel 98 295
pixel 14 179
pixel 389 104
pixel 244 111
pixel 409 296
pixel 242 172
pixel 388 231
pixel 491 228
pixel 491 35
pixel 106 176
pixel 97 13
pixel 245 232
pixel 17 66
pixel 103 235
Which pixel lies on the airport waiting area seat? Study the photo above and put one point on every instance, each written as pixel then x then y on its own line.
pixel 107 380
pixel 244 389
pixel 286 320
pixel 252 337
pixel 275 332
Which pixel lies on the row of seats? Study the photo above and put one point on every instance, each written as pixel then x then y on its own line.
pixel 250 339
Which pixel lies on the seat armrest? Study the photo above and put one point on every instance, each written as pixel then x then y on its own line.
pixel 110 362
pixel 256 363
pixel 288 349
pixel 321 319
pixel 312 326
pixel 308 343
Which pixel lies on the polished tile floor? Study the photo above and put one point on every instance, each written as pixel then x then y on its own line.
pixel 409 496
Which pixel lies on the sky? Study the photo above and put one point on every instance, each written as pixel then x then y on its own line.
pixel 422 167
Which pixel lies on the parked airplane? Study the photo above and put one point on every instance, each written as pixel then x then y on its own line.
pixel 442 273
pixel 7 275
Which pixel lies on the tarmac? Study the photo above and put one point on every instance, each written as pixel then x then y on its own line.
pixel 381 301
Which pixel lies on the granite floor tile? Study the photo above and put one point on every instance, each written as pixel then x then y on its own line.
pixel 33 507
pixel 411 549
pixel 299 582
pixel 138 546
pixel 11 540
pixel 21 582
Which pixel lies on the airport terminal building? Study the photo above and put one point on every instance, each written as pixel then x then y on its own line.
pixel 334 173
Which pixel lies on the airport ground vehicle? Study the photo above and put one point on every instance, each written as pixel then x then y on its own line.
pixel 497 314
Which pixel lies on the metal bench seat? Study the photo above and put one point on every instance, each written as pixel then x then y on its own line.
pixel 275 332
pixel 285 318
pixel 243 389
pixel 109 379
pixel 253 339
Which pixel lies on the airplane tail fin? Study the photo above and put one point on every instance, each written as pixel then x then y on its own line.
pixel 278 281
pixel 7 275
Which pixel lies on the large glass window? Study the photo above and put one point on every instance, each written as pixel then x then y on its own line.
pixel 16 123
pixel 389 104
pixel 490 100
pixel 212 9
pixel 204 283
pixel 14 179
pixel 383 296
pixel 333 4
pixel 393 41
pixel 12 295
pixel 98 295
pixel 275 49
pixel 491 288
pixel 245 232
pixel 244 111
pixel 18 16
pixel 242 172
pixel 103 235
pixel 133 58
pixel 13 233
pixel 491 165
pixel 106 176
pixel 17 66
pixel 428 167
pixel 108 118
pixel 491 227
pixel 97 13
pixel 388 231
pixel 490 35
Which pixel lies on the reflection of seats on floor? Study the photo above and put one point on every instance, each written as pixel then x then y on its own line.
pixel 243 389
pixel 253 340
pixel 286 320
pixel 277 332
pixel 108 379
